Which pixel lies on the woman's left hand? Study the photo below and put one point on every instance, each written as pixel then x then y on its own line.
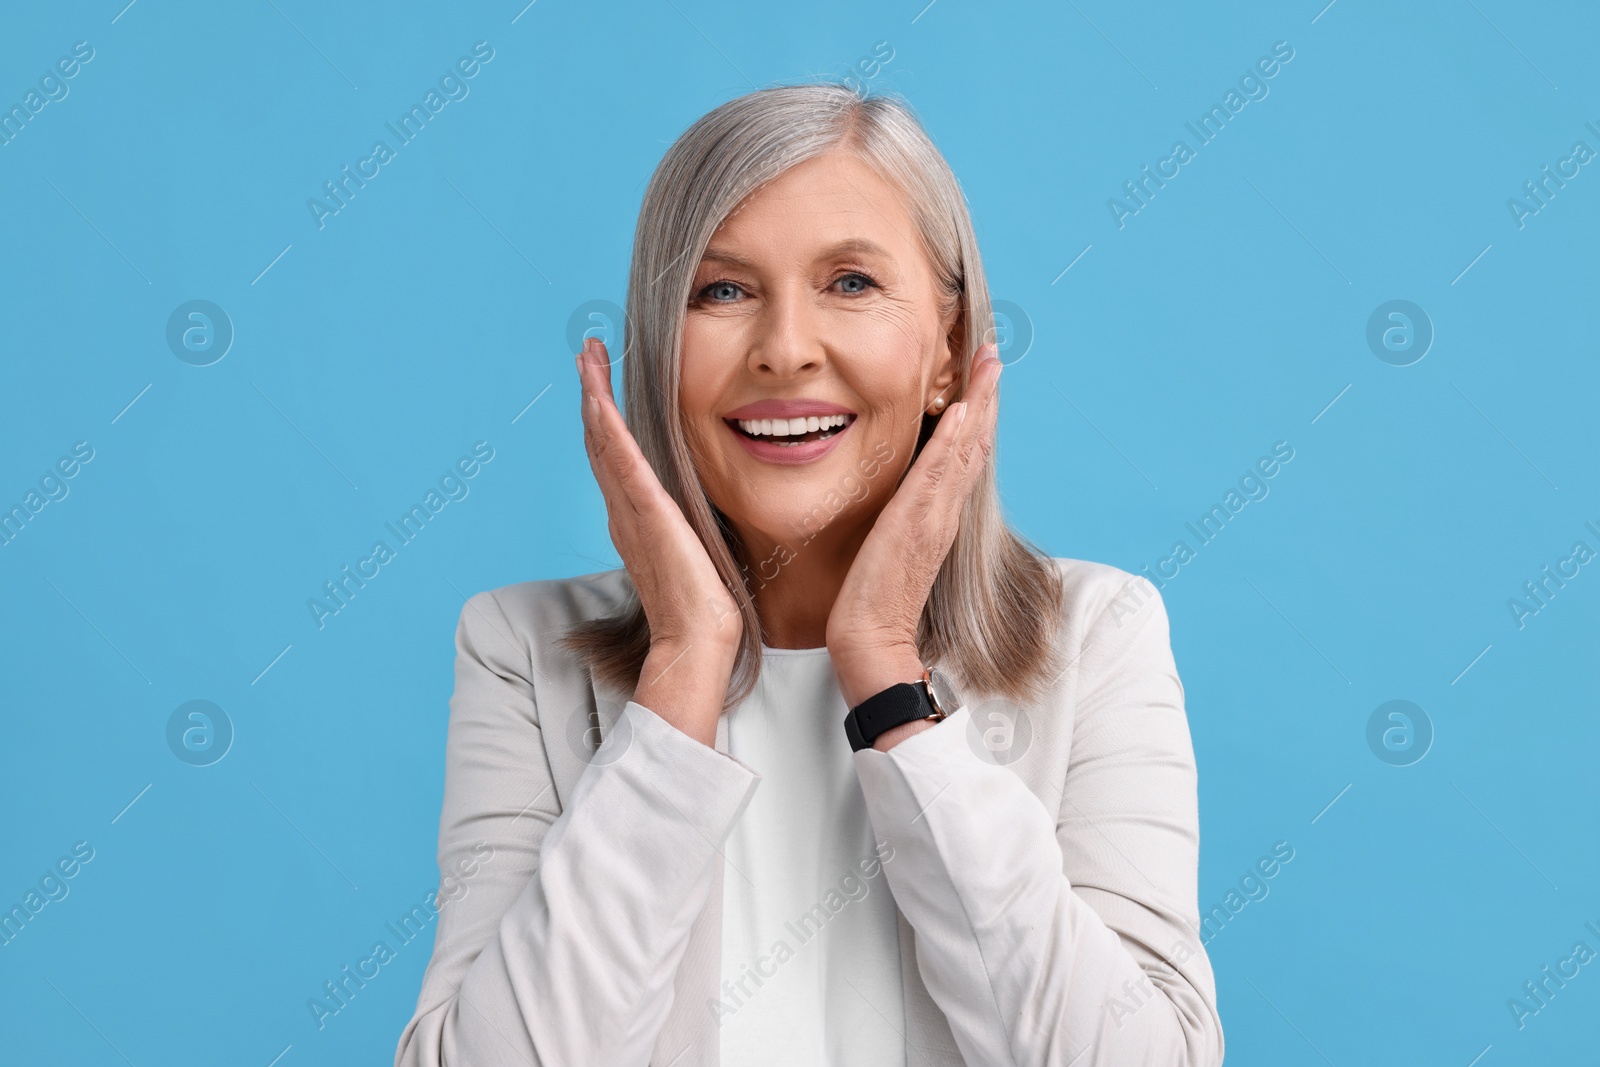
pixel 872 628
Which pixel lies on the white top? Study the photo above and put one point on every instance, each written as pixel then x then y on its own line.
pixel 1046 901
pixel 810 946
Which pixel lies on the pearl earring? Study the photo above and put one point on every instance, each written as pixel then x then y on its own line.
pixel 938 405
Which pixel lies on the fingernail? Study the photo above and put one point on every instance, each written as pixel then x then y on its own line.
pixel 961 414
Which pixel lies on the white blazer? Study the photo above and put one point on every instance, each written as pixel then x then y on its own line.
pixel 1047 907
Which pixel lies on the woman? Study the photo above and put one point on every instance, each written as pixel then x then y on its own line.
pixel 713 807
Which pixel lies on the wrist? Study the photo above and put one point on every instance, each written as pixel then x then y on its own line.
pixel 685 684
pixel 864 671
pixel 706 651
pixel 716 629
pixel 896 734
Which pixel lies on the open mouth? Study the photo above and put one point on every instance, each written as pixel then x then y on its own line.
pixel 791 432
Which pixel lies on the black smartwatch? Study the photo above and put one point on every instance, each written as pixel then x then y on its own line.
pixel 929 697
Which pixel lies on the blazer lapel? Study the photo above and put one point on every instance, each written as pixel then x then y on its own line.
pixel 570 739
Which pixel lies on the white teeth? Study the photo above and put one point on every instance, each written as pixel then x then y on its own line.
pixel 792 427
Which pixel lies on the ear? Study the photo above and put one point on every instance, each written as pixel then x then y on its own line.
pixel 944 371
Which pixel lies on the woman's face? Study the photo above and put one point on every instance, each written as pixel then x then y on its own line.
pixel 814 301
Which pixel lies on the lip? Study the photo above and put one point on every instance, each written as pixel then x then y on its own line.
pixel 786 409
pixel 789 455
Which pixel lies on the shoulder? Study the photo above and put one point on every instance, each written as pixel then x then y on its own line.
pixel 545 604
pixel 1101 603
pixel 524 620
pixel 1117 658
pixel 1090 589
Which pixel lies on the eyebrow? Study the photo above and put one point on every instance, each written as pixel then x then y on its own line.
pixel 853 245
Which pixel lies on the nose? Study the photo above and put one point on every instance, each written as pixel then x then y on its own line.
pixel 787 341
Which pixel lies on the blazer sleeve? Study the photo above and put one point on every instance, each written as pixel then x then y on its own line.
pixel 1061 933
pixel 560 929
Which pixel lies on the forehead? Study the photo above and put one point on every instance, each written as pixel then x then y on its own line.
pixel 823 203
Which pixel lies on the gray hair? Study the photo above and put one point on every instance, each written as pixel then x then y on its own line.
pixel 992 615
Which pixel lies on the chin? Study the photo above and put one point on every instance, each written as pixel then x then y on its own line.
pixel 791 504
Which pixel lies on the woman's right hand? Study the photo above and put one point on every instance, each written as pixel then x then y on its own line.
pixel 695 625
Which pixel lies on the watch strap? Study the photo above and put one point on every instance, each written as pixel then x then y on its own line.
pixel 901 703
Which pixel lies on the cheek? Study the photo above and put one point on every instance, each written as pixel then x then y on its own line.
pixel 713 342
pixel 890 432
pixel 897 407
pixel 702 386
pixel 696 371
pixel 701 395
pixel 891 352
pixel 705 439
pixel 883 453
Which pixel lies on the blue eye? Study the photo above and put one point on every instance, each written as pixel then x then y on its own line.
pixel 724 292
pixel 723 286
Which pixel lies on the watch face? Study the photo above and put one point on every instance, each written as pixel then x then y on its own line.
pixel 944 694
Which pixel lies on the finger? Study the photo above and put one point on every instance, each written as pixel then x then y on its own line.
pixel 977 433
pixel 634 481
pixel 962 451
pixel 974 398
pixel 594 369
pixel 919 492
pixel 953 445
pixel 600 407
pixel 607 454
pixel 600 357
pixel 986 367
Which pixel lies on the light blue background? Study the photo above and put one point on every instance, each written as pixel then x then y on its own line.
pixel 1225 316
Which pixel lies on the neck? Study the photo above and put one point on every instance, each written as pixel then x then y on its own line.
pixel 795 583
